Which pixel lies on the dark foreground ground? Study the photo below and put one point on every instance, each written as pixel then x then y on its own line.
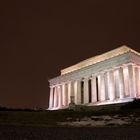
pixel 43 125
pixel 55 133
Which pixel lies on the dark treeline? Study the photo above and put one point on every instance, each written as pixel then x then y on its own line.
pixel 132 105
pixel 19 109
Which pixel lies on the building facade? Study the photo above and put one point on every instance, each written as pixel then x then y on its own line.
pixel 113 77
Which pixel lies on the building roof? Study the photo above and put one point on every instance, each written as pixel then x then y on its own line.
pixel 93 60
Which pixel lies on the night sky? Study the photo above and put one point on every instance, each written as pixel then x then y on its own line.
pixel 38 38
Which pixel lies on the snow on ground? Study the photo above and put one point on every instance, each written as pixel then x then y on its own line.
pixel 99 121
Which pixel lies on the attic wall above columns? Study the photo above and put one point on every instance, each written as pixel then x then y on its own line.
pixel 93 69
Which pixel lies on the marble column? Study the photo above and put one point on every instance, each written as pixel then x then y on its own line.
pixel 106 86
pixel 121 83
pixel 93 89
pixel 78 92
pixel 139 82
pixel 55 97
pixel 63 95
pixel 51 98
pixel 86 91
pixel 116 82
pixel 137 77
pixel 98 86
pixel 126 80
pixel 59 96
pixel 70 91
pixel 132 84
pixel 72 94
pixel 111 87
pixel 66 93
pixel 101 87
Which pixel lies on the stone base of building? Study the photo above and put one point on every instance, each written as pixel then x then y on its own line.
pixel 124 100
pixel 116 101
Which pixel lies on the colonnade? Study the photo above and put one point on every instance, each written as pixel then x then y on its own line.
pixel 108 85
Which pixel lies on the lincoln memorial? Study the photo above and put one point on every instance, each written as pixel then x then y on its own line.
pixel 109 78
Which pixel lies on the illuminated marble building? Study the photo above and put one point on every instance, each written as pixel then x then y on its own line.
pixel 113 77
